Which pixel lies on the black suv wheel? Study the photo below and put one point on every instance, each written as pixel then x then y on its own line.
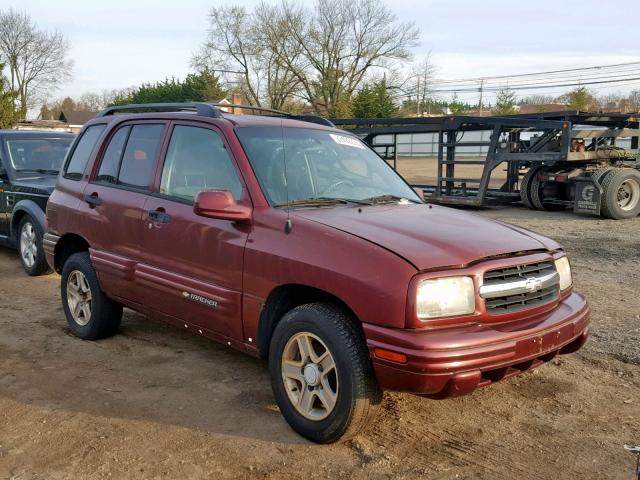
pixel 30 247
pixel 321 373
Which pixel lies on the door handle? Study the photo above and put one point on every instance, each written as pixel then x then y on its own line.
pixel 159 216
pixel 93 200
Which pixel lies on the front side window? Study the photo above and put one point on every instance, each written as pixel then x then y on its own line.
pixel 83 150
pixel 197 160
pixel 297 164
pixel 39 155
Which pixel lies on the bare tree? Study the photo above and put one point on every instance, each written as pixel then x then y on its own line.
pixel 37 59
pixel 634 101
pixel 230 49
pixel 320 55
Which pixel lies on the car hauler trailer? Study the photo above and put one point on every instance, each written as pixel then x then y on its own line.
pixel 553 161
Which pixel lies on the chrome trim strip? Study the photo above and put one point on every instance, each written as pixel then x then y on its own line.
pixel 526 285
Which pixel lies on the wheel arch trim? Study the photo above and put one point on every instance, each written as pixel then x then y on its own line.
pixel 26 207
pixel 284 298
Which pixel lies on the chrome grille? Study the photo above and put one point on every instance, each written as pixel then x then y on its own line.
pixel 521 286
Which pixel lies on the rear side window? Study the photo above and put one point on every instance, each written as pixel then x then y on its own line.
pixel 139 155
pixel 111 160
pixel 82 151
pixel 129 159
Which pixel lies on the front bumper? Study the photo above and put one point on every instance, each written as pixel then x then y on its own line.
pixel 454 361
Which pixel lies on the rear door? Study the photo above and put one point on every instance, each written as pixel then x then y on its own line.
pixel 113 206
pixel 192 267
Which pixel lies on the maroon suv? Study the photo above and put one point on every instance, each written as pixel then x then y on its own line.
pixel 292 240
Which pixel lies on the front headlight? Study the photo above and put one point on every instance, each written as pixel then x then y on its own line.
pixel 445 297
pixel 564 270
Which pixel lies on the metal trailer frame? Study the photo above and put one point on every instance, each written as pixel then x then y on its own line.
pixel 552 148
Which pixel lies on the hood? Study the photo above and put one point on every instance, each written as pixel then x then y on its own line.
pixel 429 237
pixel 39 184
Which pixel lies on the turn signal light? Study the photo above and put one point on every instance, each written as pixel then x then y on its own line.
pixel 391 356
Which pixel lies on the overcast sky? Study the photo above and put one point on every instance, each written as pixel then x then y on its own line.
pixel 117 43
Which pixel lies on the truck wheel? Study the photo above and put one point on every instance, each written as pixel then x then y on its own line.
pixel 525 186
pixel 30 247
pixel 621 194
pixel 90 314
pixel 537 192
pixel 321 373
pixel 599 174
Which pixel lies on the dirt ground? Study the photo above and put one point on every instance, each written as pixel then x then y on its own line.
pixel 424 171
pixel 156 402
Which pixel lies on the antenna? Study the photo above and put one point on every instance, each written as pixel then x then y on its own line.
pixel 287 226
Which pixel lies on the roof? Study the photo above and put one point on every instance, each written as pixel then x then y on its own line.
pixel 76 117
pixel 271 120
pixel 238 120
pixel 36 134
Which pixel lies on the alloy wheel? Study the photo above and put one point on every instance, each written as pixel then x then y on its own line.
pixel 79 297
pixel 28 245
pixel 310 376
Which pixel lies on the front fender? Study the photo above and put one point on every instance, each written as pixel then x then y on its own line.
pixel 30 208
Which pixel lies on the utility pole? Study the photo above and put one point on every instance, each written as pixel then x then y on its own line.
pixel 418 97
pixel 481 89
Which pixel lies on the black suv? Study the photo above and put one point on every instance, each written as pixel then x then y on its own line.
pixel 29 165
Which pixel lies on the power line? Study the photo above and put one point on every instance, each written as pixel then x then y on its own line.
pixel 533 87
pixel 568 70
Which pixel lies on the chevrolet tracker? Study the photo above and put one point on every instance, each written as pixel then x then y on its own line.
pixel 291 240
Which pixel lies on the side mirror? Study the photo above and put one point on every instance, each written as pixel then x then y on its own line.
pixel 220 204
pixel 419 191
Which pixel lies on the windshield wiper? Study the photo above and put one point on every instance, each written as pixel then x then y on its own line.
pixel 321 202
pixel 388 198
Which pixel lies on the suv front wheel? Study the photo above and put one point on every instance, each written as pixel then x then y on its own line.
pixel 30 247
pixel 321 373
pixel 90 313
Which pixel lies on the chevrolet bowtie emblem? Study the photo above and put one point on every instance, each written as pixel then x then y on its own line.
pixel 533 284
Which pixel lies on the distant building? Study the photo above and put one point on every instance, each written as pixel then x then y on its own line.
pixel 75 119
pixel 67 121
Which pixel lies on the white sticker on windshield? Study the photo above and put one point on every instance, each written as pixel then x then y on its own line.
pixel 345 140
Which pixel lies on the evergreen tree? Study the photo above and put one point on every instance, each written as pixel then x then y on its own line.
pixel 196 87
pixel 374 101
pixel 8 114
pixel 456 106
pixel 505 102
pixel 580 99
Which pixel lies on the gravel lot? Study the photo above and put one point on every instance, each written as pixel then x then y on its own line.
pixel 156 402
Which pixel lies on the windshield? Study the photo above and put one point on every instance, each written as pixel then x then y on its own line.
pixel 38 154
pixel 320 165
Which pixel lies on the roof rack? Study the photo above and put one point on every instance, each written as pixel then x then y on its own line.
pixel 210 110
pixel 201 108
pixel 303 118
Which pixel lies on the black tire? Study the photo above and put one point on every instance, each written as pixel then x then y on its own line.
pixel 358 392
pixel 37 266
pixel 611 186
pixel 525 186
pixel 105 314
pixel 536 189
pixel 599 174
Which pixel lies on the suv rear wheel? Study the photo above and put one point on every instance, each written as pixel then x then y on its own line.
pixel 30 247
pixel 90 314
pixel 321 373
